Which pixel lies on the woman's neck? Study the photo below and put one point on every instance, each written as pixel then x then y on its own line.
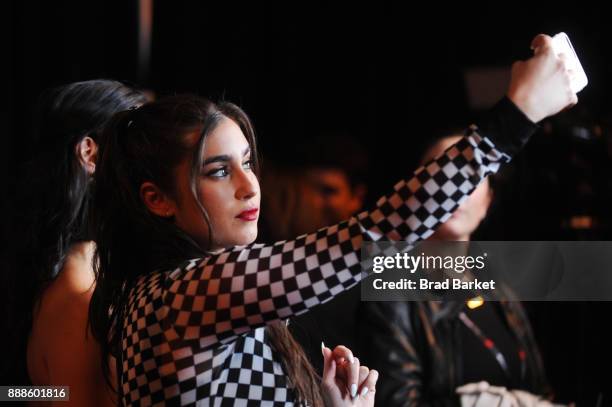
pixel 78 266
pixel 82 251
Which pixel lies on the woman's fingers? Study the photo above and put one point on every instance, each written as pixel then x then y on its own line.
pixel 341 351
pixel 368 386
pixel 363 373
pixel 541 86
pixel 541 44
pixel 329 365
pixel 350 365
pixel 349 370
pixel 345 361
pixel 353 375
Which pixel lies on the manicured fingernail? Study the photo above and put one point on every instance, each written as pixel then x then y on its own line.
pixel 364 391
pixel 351 359
pixel 353 390
pixel 322 348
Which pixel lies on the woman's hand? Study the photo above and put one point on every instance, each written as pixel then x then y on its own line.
pixel 540 86
pixel 345 381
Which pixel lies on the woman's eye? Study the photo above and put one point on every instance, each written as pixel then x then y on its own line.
pixel 218 172
pixel 248 164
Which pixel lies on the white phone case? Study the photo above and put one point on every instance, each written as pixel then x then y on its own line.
pixel 562 45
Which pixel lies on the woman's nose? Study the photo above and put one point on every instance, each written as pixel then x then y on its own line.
pixel 248 185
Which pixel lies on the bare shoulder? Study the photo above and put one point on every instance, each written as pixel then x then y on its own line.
pixel 61 349
pixel 76 279
pixel 65 302
pixel 61 315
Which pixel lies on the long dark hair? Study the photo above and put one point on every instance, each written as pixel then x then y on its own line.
pixel 51 204
pixel 147 144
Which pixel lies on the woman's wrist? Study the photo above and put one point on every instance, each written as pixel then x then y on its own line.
pixel 527 106
pixel 507 126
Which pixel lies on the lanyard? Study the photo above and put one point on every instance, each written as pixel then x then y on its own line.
pixel 490 345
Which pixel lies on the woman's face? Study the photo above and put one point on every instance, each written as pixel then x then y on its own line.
pixel 471 212
pixel 228 189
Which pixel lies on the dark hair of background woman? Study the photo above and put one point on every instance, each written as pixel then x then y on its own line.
pixel 50 209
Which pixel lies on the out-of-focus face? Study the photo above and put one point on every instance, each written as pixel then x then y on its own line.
pixel 471 212
pixel 338 199
pixel 228 189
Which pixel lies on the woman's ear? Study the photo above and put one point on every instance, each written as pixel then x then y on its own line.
pixel 359 194
pixel 156 200
pixel 87 153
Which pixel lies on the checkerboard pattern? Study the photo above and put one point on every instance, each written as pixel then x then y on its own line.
pixel 195 335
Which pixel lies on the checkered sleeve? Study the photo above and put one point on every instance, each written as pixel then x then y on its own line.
pixel 214 299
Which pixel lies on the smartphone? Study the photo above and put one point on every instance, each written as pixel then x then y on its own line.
pixel 562 45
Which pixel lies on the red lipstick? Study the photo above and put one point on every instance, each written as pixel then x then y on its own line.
pixel 248 215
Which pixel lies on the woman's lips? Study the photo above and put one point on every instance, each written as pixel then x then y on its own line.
pixel 249 215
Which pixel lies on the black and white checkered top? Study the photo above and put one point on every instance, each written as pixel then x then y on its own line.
pixel 195 335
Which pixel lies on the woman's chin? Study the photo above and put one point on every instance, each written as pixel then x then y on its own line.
pixel 247 237
pixel 448 233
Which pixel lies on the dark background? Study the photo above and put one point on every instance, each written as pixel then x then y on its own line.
pixel 389 76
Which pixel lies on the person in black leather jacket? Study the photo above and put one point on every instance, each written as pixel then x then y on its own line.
pixel 425 351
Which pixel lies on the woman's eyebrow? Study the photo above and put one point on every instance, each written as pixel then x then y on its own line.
pixel 217 158
pixel 224 157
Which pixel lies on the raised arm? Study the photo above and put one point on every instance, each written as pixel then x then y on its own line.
pixel 224 295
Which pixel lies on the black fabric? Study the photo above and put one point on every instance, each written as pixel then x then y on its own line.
pixel 479 362
pixel 507 126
